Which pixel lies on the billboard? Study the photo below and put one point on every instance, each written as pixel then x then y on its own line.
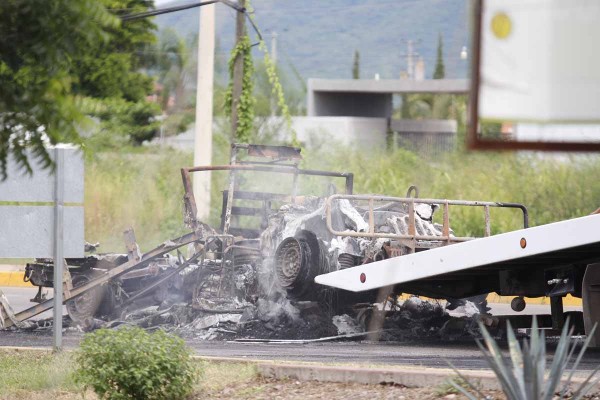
pixel 535 62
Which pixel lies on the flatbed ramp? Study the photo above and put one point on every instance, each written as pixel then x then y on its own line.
pixel 575 241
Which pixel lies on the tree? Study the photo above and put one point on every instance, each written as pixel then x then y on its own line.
pixel 356 65
pixel 440 71
pixel 111 74
pixel 111 68
pixel 59 60
pixel 39 41
pixel 176 66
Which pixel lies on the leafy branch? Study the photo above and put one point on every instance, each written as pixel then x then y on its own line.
pixel 245 104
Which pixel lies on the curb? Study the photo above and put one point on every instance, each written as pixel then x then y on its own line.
pixel 485 380
pixel 14 279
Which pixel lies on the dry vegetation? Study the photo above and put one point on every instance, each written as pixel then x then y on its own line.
pixel 143 189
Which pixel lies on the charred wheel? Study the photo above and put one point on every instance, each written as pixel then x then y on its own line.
pixel 297 261
pixel 84 306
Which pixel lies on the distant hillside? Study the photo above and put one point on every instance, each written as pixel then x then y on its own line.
pixel 319 38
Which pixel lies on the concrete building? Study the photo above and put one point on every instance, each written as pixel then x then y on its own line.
pixel 362 110
pixel 370 98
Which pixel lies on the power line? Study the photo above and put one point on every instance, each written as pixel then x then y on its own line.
pixel 320 9
pixel 160 11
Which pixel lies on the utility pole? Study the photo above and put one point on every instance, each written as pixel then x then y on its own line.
pixel 274 36
pixel 409 60
pixel 274 58
pixel 204 109
pixel 238 69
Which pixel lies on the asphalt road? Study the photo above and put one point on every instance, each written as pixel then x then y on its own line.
pixel 431 353
pixel 20 299
pixel 463 355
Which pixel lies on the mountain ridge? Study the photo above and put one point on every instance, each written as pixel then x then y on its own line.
pixel 320 40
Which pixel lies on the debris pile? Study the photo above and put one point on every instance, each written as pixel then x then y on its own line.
pixel 256 280
pixel 264 288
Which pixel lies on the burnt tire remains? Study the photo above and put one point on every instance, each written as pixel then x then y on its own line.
pixel 297 261
pixel 84 306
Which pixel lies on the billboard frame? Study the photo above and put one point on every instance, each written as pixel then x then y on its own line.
pixel 474 141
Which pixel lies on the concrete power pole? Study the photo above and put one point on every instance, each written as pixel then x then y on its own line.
pixel 274 47
pixel 274 58
pixel 238 70
pixel 204 108
pixel 409 60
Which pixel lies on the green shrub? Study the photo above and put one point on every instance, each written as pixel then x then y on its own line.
pixel 130 363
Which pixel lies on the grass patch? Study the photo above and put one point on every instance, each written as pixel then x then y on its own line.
pixel 25 371
pixel 44 375
pixel 143 191
pixel 218 375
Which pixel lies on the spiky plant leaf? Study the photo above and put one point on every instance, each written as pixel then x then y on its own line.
pixel 516 356
pixel 462 390
pixel 525 377
pixel 585 387
pixel 462 377
pixel 507 380
pixel 586 343
pixel 559 363
pixel 530 389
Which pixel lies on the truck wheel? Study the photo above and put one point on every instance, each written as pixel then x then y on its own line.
pixel 84 306
pixel 518 304
pixel 590 294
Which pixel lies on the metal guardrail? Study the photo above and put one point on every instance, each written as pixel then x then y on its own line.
pixel 412 231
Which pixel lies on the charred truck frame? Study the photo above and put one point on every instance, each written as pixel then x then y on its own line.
pixel 294 240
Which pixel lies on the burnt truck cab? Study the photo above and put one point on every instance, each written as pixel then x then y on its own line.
pixel 298 236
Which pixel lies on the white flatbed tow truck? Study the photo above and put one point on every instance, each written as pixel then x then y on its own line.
pixel 548 260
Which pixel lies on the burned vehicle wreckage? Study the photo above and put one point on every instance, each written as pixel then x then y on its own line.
pixel 253 277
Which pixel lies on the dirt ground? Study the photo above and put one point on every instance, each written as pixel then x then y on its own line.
pixel 269 389
pixel 285 389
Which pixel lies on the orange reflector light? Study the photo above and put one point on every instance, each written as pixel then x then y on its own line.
pixel 523 243
pixel 363 277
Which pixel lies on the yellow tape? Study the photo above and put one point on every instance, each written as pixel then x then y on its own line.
pixel 13 278
pixel 494 298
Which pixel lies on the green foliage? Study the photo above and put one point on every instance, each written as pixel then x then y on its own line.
pixel 110 72
pixel 34 371
pixel 111 68
pixel 137 187
pixel 277 91
pixel 440 70
pixel 524 376
pixel 39 43
pixel 552 190
pixel 432 106
pixel 175 67
pixel 356 65
pixel 247 101
pixel 122 122
pixel 130 363
pixel 55 57
pixel 245 104
pixel 449 386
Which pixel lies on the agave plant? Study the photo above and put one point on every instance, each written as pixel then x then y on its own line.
pixel 524 376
